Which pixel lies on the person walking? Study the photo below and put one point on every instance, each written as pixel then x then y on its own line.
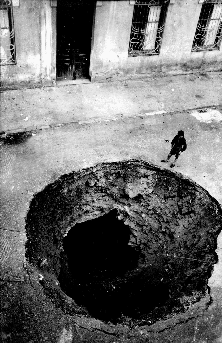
pixel 178 145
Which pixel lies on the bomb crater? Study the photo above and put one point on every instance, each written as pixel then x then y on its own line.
pixel 126 241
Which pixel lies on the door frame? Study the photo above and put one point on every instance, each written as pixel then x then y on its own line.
pixel 48 29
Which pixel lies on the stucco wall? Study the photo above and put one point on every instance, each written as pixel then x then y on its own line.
pixel 109 56
pixel 27 40
pixel 34 22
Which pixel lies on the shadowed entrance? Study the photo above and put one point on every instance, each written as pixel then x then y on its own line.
pixel 74 34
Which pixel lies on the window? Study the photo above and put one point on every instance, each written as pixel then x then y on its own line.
pixel 7 36
pixel 147 27
pixel 209 28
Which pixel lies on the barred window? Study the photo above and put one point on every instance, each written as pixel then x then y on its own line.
pixel 7 35
pixel 209 28
pixel 147 27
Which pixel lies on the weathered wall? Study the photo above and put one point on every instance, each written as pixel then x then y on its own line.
pixel 109 56
pixel 34 24
pixel 35 34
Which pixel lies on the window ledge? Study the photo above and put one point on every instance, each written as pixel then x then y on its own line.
pixel 142 53
pixel 210 1
pixel 205 49
pixel 6 63
pixel 132 2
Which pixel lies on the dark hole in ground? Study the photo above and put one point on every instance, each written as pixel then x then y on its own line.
pixel 103 271
pixel 153 261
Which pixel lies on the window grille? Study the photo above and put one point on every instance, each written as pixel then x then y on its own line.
pixel 7 34
pixel 209 28
pixel 147 27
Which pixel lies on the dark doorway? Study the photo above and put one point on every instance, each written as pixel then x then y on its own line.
pixel 74 35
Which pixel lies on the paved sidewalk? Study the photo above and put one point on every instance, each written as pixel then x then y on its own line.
pixel 27 109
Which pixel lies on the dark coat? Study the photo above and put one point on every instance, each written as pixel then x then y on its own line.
pixel 178 144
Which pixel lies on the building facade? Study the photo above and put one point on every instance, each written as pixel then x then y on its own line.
pixel 45 41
